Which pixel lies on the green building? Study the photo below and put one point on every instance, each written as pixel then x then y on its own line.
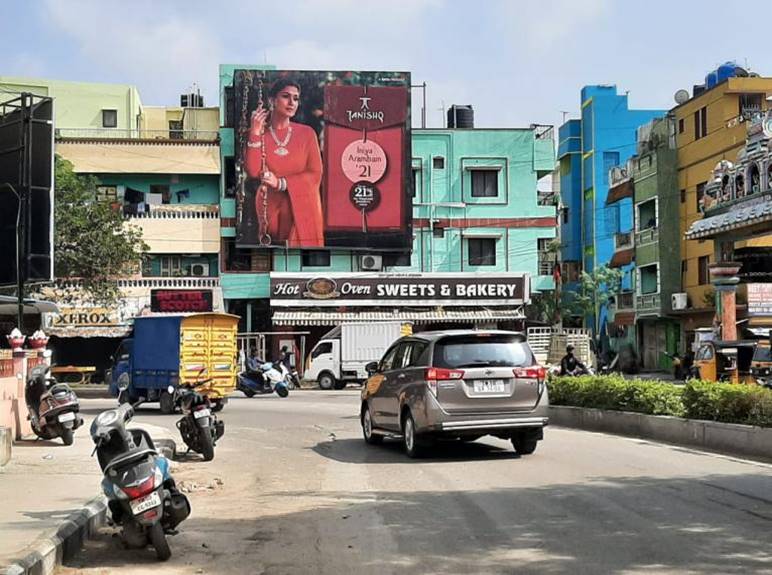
pixel 644 315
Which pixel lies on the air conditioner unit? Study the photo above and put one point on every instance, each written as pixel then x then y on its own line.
pixel 199 270
pixel 371 263
pixel 679 301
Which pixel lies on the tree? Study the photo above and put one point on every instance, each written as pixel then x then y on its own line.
pixel 92 242
pixel 594 291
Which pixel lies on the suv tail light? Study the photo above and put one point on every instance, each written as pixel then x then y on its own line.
pixel 533 372
pixel 435 374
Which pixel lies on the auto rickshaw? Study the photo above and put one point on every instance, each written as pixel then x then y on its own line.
pixel 761 364
pixel 725 361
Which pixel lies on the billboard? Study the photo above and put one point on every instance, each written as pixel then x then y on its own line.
pixel 323 159
pixel 26 187
pixel 760 299
pixel 433 289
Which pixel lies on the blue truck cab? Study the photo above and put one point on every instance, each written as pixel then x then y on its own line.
pixel 166 350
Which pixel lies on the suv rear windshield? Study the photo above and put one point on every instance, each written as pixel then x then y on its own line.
pixel 482 351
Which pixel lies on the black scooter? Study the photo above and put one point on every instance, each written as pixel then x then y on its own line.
pixel 199 427
pixel 53 407
pixel 141 493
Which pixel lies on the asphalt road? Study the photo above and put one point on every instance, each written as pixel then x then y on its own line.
pixel 294 489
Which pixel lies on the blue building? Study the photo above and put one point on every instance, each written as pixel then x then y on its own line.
pixel 604 137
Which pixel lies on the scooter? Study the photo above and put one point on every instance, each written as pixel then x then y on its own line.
pixel 142 496
pixel 199 427
pixel 267 380
pixel 53 407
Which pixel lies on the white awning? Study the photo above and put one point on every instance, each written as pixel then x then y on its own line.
pixel 321 317
pixel 9 305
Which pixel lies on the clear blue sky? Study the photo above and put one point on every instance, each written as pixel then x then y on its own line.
pixel 516 62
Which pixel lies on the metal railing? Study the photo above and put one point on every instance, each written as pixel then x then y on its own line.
pixel 177 212
pixel 125 134
pixel 186 282
pixel 625 300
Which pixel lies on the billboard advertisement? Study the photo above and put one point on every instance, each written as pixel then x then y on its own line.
pixel 323 159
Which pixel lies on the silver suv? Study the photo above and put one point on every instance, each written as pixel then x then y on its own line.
pixel 456 384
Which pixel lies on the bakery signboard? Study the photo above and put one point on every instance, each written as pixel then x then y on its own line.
pixel 361 289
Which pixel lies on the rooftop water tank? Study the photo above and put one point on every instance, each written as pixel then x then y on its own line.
pixel 460 117
pixel 711 79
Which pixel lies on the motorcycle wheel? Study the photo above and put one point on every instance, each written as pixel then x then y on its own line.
pixel 207 444
pixel 218 405
pixel 67 436
pixel 159 542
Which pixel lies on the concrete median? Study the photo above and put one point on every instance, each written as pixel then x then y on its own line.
pixel 729 438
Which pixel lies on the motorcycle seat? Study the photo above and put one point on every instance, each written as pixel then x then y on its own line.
pixel 129 457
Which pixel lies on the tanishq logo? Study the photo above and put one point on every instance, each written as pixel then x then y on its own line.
pixel 364 112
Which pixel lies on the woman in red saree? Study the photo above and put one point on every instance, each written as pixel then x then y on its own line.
pixel 294 170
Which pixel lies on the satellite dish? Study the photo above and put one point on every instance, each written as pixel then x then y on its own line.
pixel 681 96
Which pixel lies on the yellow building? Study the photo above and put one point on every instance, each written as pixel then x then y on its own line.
pixel 710 127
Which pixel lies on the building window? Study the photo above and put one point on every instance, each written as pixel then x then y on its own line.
pixel 438 232
pixel 649 279
pixel 396 260
pixel 230 177
pixel 700 195
pixel 565 215
pixel 109 118
pixel 438 163
pixel 701 123
pixel 416 182
pixel 240 260
pixel 647 215
pixel 610 160
pixel 702 270
pixel 482 251
pixel 681 126
pixel 107 193
pixel 175 129
pixel 684 270
pixel 750 104
pixel 170 266
pixel 683 196
pixel 546 258
pixel 316 259
pixel 485 183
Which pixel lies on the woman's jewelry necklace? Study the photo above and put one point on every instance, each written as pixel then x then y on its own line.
pixel 281 149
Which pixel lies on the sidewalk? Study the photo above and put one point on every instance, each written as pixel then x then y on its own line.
pixel 43 484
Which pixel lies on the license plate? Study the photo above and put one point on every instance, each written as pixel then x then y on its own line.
pixel 144 503
pixel 201 413
pixel 69 416
pixel 489 386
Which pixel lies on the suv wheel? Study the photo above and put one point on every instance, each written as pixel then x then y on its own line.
pixel 524 446
pixel 412 446
pixel 367 428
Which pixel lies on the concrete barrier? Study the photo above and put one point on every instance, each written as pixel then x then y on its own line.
pixel 729 438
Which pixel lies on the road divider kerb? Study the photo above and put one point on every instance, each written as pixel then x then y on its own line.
pixel 728 438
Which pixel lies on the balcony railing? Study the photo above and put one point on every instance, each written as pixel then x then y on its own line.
pixel 169 283
pixel 174 211
pixel 647 236
pixel 625 300
pixel 623 241
pixel 123 134
pixel 647 302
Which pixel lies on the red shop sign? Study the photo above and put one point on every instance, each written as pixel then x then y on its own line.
pixel 181 301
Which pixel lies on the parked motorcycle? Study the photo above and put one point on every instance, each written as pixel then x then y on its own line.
pixel 141 493
pixel 267 380
pixel 199 426
pixel 53 407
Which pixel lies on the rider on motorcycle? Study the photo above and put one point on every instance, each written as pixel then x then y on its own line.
pixel 570 365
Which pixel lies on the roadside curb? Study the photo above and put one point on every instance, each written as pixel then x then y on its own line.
pixel 728 438
pixel 6 440
pixel 63 542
